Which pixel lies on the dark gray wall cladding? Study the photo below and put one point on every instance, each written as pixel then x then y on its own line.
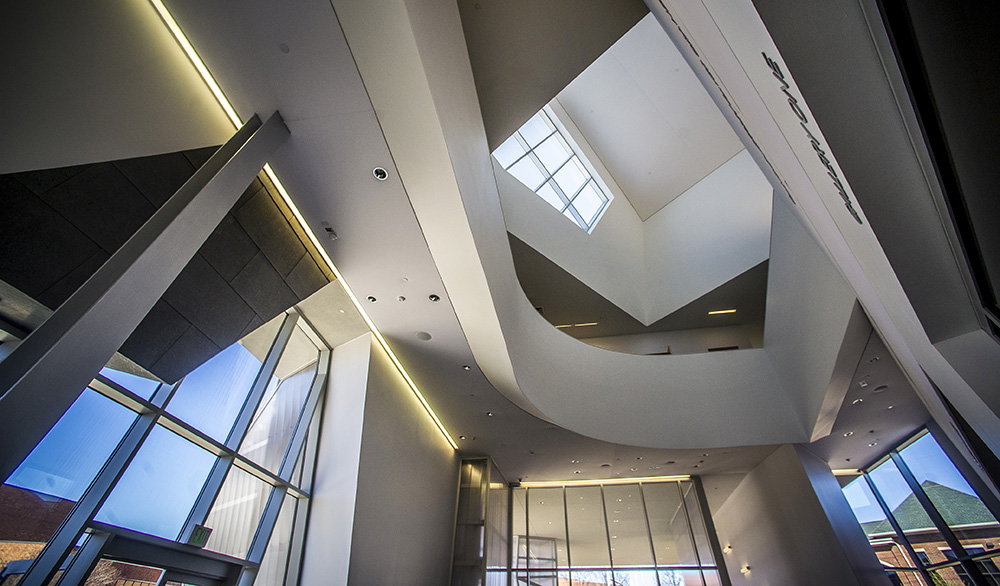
pixel 60 225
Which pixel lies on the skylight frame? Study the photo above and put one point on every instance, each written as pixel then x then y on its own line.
pixel 575 157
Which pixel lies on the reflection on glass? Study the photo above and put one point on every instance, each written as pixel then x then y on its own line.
pixel 169 471
pixel 883 539
pixel 697 524
pixel 636 578
pixel 111 573
pixel 510 151
pixel 668 525
pixel 527 173
pixel 43 489
pixel 236 513
pixel 588 535
pixel 272 566
pixel 274 423
pixel 627 526
pixel 591 578
pixel 547 528
pixel 906 509
pixel 496 526
pixel 210 398
pixel 711 578
pixel 951 495
pixel 519 519
pixel 536 129
pixel 139 385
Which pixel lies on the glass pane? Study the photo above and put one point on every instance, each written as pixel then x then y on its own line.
pixel 571 177
pixel 527 173
pixel 496 524
pixel 569 214
pixel 962 510
pixel 905 508
pixel 496 578
pixel 588 537
pixel 591 578
pixel 553 152
pixel 168 471
pixel 711 578
pixel 536 129
pixel 547 525
pixel 43 489
pixel 953 576
pixel 210 398
pixel 588 202
pixel 627 526
pixel 668 525
pixel 272 566
pixel 510 151
pixel 114 573
pixel 274 423
pixel 139 385
pixel 680 578
pixel 236 513
pixel 697 524
pixel 519 518
pixel 883 539
pixel 549 194
pixel 636 578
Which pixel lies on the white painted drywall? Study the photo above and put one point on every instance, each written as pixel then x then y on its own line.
pixel 776 525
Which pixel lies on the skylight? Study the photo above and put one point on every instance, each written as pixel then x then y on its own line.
pixel 541 157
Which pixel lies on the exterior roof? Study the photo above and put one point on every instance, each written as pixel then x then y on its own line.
pixel 957 508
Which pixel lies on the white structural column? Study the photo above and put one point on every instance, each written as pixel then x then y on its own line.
pixel 42 377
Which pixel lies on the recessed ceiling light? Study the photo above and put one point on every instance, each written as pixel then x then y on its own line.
pixel 633 469
pixel 372 299
pixel 434 298
pixel 872 444
pixel 341 311
pixel 670 462
pixel 401 298
pixel 380 173
pixel 461 437
pixel 889 407
pixel 880 388
pixel 489 414
pixel 857 401
pixel 423 336
pixel 863 383
pixel 848 433
pixel 721 311
pixel 638 457
pixel 873 360
pixel 466 367
pixel 576 472
pixel 574 461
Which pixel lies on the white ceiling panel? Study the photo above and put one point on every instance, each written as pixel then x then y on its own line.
pixel 649 119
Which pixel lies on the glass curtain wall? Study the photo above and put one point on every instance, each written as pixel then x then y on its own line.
pixel 227 451
pixel 637 534
pixel 925 523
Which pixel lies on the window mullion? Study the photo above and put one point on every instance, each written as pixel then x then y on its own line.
pixel 904 540
pixel 936 518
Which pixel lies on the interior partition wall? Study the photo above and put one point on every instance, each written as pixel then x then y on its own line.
pixel 205 481
pixel 641 533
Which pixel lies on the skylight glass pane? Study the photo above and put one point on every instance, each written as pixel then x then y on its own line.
pixel 527 173
pixel 549 194
pixel 588 202
pixel 569 214
pixel 571 177
pixel 510 151
pixel 553 152
pixel 536 130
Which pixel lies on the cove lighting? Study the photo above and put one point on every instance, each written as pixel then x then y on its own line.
pixel 605 481
pixel 846 472
pixel 227 107
pixel 721 311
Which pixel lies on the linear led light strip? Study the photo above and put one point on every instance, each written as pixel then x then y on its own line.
pixel 182 40
pixel 605 481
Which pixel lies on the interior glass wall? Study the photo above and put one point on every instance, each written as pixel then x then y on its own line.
pixel 636 534
pixel 925 523
pixel 227 451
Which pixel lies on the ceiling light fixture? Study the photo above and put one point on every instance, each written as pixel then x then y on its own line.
pixel 380 173
pixel 227 107
pixel 721 311
pixel 846 472
pixel 880 388
pixel 848 433
pixel 857 401
pixel 564 326
pixel 593 323
pixel 605 481
pixel 466 367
